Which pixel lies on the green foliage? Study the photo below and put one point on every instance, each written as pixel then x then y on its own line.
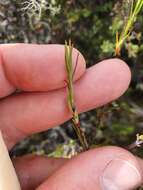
pixel 77 14
pixel 122 129
pixel 70 97
pixel 107 47
pixel 67 150
pixel 135 8
pixel 97 29
pixel 92 26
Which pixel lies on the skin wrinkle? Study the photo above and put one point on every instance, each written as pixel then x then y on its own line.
pixel 6 85
pixel 7 73
pixel 28 111
pixel 29 175
pixel 24 177
pixel 11 138
pixel 11 134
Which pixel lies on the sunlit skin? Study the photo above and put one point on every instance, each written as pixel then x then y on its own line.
pixel 39 72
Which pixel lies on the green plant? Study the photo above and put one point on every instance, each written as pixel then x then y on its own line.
pixel 135 8
pixel 88 32
pixel 70 96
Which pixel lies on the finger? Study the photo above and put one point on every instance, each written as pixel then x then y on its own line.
pixel 35 67
pixel 33 170
pixel 29 113
pixel 108 168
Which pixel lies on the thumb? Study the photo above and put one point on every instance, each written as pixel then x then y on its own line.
pixel 107 168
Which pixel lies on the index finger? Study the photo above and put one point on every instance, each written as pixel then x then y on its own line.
pixel 32 67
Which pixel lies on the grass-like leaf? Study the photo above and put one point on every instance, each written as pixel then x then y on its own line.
pixel 70 97
pixel 136 6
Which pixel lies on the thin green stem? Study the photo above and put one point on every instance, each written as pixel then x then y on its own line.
pixel 136 6
pixel 70 97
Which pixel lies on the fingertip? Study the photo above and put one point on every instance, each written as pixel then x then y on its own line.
pixel 124 71
pixel 102 83
pixel 33 67
pixel 106 168
pixel 6 87
pixel 120 72
pixel 121 172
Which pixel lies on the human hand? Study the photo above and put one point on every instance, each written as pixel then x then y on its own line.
pixel 39 71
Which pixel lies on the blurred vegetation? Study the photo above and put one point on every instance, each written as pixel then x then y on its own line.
pixel 92 26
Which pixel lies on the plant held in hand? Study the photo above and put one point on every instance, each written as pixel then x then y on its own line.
pixel 70 97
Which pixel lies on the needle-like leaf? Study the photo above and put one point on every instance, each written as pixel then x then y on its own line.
pixel 136 6
pixel 70 97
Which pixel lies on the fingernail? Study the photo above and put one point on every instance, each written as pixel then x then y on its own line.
pixel 120 175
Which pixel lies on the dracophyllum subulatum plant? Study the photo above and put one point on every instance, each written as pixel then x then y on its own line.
pixel 135 7
pixel 70 94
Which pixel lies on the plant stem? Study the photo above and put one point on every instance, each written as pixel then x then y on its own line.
pixel 136 6
pixel 131 146
pixel 70 97
pixel 137 143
